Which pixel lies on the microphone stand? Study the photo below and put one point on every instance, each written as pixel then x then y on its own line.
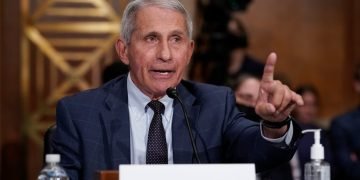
pixel 172 93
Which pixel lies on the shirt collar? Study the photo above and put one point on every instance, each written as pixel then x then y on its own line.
pixel 139 100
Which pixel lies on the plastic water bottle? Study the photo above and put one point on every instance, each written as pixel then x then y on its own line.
pixel 52 170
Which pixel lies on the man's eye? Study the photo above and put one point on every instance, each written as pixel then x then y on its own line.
pixel 176 39
pixel 150 38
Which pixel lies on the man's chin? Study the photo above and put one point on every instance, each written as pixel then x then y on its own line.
pixel 155 92
pixel 158 88
pixel 161 91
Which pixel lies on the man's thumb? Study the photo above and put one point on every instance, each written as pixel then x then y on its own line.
pixel 265 109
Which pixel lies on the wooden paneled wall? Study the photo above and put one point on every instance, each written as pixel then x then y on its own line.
pixel 316 42
pixel 12 146
pixel 35 70
pixel 355 21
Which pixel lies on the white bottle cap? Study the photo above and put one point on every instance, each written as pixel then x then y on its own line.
pixel 52 158
pixel 317 150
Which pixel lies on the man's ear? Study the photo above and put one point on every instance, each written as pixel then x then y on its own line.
pixel 191 50
pixel 122 50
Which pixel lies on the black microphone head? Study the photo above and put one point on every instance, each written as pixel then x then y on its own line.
pixel 171 92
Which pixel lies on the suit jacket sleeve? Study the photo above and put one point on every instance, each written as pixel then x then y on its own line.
pixel 245 143
pixel 67 142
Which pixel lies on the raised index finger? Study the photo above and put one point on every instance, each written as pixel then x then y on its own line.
pixel 269 68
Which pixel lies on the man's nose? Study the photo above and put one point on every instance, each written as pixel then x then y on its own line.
pixel 164 52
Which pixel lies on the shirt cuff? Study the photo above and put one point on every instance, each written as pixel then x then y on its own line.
pixel 285 138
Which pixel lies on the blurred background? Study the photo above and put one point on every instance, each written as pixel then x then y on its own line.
pixel 54 48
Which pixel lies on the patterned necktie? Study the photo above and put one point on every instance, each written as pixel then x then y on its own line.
pixel 156 152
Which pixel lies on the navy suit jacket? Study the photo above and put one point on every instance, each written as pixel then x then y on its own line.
pixel 93 131
pixel 345 139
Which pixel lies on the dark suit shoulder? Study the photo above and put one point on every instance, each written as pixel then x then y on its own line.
pixel 96 95
pixel 346 120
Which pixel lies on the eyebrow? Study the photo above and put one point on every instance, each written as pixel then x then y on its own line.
pixel 152 33
pixel 178 32
pixel 155 33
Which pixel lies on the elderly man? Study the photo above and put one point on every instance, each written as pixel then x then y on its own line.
pixel 132 120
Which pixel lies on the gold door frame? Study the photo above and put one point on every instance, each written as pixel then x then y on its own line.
pixel 64 46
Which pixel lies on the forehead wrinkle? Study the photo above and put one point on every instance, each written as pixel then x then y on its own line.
pixel 140 14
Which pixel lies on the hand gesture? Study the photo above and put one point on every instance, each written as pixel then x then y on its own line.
pixel 276 100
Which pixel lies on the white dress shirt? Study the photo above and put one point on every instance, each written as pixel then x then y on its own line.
pixel 140 118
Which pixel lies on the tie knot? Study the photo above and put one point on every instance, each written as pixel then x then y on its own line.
pixel 157 106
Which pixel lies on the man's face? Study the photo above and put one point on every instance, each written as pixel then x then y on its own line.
pixel 159 50
pixel 308 112
pixel 247 93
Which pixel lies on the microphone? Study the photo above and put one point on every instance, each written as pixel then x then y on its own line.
pixel 172 93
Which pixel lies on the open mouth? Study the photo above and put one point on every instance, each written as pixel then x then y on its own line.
pixel 164 72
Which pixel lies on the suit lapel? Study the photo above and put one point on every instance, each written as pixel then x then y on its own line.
pixel 182 149
pixel 116 125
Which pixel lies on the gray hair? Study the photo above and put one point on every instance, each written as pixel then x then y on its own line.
pixel 128 19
